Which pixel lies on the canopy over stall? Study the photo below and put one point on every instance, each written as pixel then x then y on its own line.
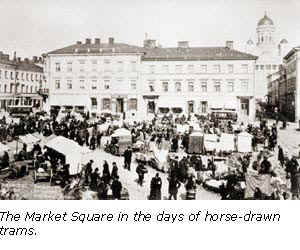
pixel 210 142
pixel 74 153
pixel 226 142
pixel 121 132
pixel 244 142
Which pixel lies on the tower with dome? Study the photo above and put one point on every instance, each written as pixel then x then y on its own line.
pixel 270 51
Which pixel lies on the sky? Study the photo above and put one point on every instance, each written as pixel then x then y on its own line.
pixel 33 27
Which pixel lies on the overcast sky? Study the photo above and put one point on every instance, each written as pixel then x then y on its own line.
pixel 33 27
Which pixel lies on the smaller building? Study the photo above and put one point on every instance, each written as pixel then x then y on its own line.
pixel 20 81
pixel 283 87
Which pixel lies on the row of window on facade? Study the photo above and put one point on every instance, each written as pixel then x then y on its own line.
pixel 107 104
pixel 15 75
pixel 13 88
pixel 165 86
pixel 244 68
pixel 217 86
pixel 107 66
pixel 267 67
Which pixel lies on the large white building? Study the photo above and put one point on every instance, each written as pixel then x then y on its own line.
pixel 137 81
pixel 270 51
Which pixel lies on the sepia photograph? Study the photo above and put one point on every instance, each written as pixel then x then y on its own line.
pixel 149 100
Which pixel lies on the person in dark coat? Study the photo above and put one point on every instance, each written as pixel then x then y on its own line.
pixel 93 143
pixel 102 190
pixel 293 170
pixel 127 158
pixel 98 139
pixel 114 171
pixel 141 170
pixel 88 171
pixel 174 185
pixel 116 188
pixel 155 188
pixel 95 177
pixel 265 166
pixel 280 155
pixel 106 173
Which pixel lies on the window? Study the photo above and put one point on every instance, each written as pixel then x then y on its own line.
pixel 94 84
pixel 94 62
pixel 178 87
pixel 57 67
pixel 32 77
pixel 94 102
pixel 69 84
pixel 31 89
pixel 191 69
pixel 245 85
pixel 11 75
pixel 217 68
pixel 22 76
pixel 133 85
pixel 152 69
pixel 191 87
pixel 132 104
pixel 151 87
pixel 17 75
pixel 57 84
pixel 257 67
pixel 5 88
pixel 217 86
pixel 11 88
pixel 26 89
pixel 82 84
pixel 230 68
pixel 107 65
pixel 106 104
pixel 274 67
pixel 120 66
pixel 165 87
pixel 6 74
pixel 133 66
pixel 203 68
pixel 35 89
pixel 268 67
pixel 230 86
pixel 203 107
pixel 106 84
pixel 0 74
pixel 165 68
pixel 22 89
pixel 178 68
pixel 81 65
pixel 244 68
pixel 204 86
pixel 69 66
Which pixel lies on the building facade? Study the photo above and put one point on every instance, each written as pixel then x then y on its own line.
pixel 139 81
pixel 283 89
pixel 270 51
pixel 20 82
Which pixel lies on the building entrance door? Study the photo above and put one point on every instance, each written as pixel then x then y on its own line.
pixel 151 107
pixel 120 105
pixel 245 107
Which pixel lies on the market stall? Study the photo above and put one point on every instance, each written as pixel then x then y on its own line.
pixel 244 142
pixel 75 155
pixel 226 143
pixel 210 142
pixel 122 139
pixel 196 143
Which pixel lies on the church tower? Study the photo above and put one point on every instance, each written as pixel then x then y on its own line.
pixel 266 41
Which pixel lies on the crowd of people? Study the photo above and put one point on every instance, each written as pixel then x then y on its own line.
pixel 186 171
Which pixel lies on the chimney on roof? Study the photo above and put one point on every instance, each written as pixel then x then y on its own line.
pixel 35 59
pixel 97 40
pixel 19 59
pixel 15 56
pixel 78 42
pixel 229 44
pixel 183 44
pixel 149 43
pixel 88 41
pixel 110 40
pixel 26 60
